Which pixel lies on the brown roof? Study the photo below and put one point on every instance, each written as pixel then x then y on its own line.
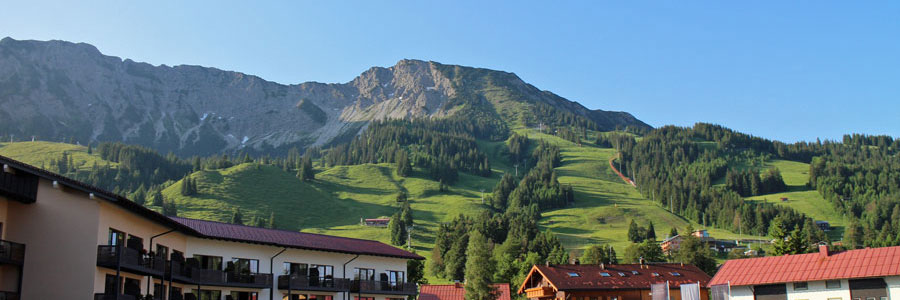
pixel 293 239
pixel 216 230
pixel 591 277
pixel 455 292
pixel 870 262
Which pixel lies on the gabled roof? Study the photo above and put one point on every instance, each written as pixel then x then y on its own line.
pixel 591 277
pixel 223 231
pixel 455 292
pixel 293 239
pixel 862 263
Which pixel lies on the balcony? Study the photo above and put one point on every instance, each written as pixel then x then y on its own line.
pixel 231 279
pixel 540 292
pixel 382 287
pixel 11 253
pixel 113 297
pixel 9 296
pixel 132 261
pixel 306 283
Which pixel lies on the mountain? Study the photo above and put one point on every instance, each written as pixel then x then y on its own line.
pixel 58 90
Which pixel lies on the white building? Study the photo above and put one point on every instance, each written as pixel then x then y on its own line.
pixel 864 274
pixel 62 239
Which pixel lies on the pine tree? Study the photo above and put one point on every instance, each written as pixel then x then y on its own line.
pixel 403 166
pixel 90 149
pixel 406 214
pixel 306 171
pixel 271 224
pixel 651 232
pixel 169 209
pixel 673 232
pixel 157 198
pixel 398 230
pixel 140 195
pixel 634 232
pixel 479 269
pixel 597 254
pixel 237 217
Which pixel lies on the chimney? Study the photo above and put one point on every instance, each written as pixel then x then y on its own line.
pixel 602 266
pixel 641 260
pixel 823 250
pixel 457 284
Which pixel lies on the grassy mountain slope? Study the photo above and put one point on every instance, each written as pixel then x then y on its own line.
pixel 40 153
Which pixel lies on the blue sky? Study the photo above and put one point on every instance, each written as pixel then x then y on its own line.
pixel 788 71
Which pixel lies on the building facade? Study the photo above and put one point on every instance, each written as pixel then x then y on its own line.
pixel 62 239
pixel 864 274
pixel 457 291
pixel 612 282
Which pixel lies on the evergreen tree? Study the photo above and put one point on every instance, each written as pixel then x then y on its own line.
pixel 237 217
pixel 673 232
pixel 398 230
pixel 306 171
pixel 169 208
pixel 415 270
pixel 651 232
pixel 271 224
pixel 403 166
pixel 406 214
pixel 90 149
pixel 140 195
pixel 853 235
pixel 479 269
pixel 635 234
pixel 157 199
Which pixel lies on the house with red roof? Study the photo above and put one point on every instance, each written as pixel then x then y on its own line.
pixel 456 291
pixel 863 274
pixel 64 239
pixel 613 282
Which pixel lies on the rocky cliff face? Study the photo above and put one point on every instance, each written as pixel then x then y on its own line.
pixel 58 90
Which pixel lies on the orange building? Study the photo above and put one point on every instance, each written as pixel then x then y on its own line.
pixel 611 282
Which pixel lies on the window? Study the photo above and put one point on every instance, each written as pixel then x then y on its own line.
pixel 135 242
pixel 675 273
pixel 655 274
pixel 110 284
pixel 116 237
pixel 162 251
pixel 604 274
pixel 364 274
pixel 245 296
pixel 158 291
pixel 621 274
pixel 296 269
pixel 396 277
pixel 175 293
pixel 132 287
pixel 207 295
pixel 572 274
pixel 245 266
pixel 209 262
pixel 321 275
pixel 635 273
pixel 801 286
pixel 832 284
pixel 177 255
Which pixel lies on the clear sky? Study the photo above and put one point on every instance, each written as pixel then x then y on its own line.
pixel 788 71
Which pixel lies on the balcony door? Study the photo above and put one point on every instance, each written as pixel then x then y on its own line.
pixel 321 275
pixel 245 266
pixel 396 277
pixel 207 262
pixel 364 274
pixel 296 269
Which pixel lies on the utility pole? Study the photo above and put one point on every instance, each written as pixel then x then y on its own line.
pixel 482 196
pixel 517 169
pixel 409 237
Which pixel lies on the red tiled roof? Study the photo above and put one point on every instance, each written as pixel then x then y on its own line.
pixel 590 277
pixel 871 262
pixel 452 292
pixel 293 239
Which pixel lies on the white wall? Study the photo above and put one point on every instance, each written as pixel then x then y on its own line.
pixel 817 290
pixel 741 293
pixel 893 284
pixel 228 250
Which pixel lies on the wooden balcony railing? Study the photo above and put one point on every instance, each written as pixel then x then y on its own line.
pixel 131 260
pixel 539 292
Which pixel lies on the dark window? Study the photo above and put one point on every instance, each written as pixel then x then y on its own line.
pixel 321 275
pixel 832 284
pixel 296 269
pixel 116 237
pixel 244 266
pixel 364 274
pixel 132 287
pixel 175 293
pixel 800 286
pixel 135 242
pixel 209 262
pixel 177 255
pixel 158 291
pixel 396 277
pixel 162 251
pixel 208 295
pixel 244 296
pixel 110 285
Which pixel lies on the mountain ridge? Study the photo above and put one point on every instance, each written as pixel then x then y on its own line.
pixel 59 90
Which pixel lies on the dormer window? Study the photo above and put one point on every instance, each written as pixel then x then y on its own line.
pixel 675 273
pixel 573 274
pixel 621 274
pixel 655 274
pixel 635 273
pixel 604 274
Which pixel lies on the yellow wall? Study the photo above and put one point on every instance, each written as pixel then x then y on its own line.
pixel 59 232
